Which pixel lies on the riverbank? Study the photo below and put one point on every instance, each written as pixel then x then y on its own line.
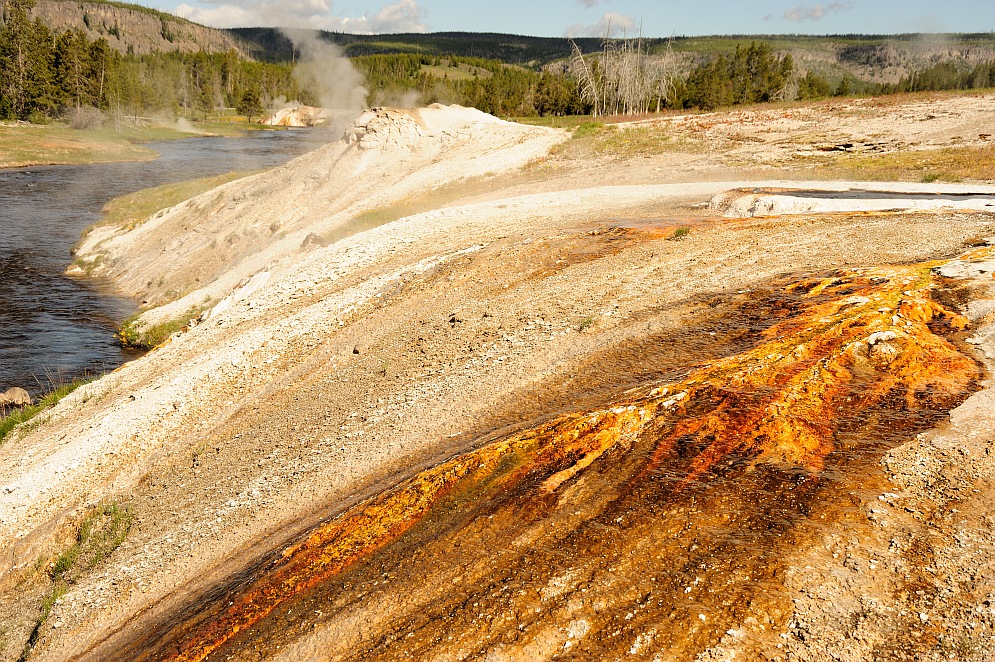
pixel 23 145
pixel 126 212
pixel 26 145
pixel 18 417
pixel 460 390
pixel 56 327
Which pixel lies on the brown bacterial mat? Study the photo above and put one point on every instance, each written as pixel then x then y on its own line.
pixel 655 520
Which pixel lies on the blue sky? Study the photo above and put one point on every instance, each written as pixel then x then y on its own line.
pixel 556 18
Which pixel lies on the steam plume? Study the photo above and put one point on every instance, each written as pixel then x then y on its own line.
pixel 322 68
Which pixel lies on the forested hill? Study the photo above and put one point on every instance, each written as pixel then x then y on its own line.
pixel 128 29
pixel 870 58
pixel 133 29
pixel 129 61
pixel 271 44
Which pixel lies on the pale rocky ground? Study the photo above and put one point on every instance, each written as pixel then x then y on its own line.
pixel 766 135
pixel 320 373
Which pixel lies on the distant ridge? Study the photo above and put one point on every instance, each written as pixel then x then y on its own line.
pixel 141 30
pixel 271 44
pixel 871 58
pixel 132 28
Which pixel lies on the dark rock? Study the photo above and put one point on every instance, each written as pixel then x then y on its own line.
pixel 313 240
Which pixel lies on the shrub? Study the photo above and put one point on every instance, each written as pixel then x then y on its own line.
pixel 679 233
pixel 588 129
pixel 100 532
pixel 134 335
pixel 86 118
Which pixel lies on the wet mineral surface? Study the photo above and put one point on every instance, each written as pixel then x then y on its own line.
pixel 655 520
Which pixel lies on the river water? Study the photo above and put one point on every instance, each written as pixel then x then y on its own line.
pixel 54 328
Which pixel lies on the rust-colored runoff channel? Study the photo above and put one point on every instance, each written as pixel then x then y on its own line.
pixel 655 523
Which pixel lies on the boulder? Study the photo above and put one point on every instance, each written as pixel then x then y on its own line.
pixel 15 397
pixel 313 240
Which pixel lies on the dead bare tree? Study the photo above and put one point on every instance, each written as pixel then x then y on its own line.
pixel 623 78
pixel 664 76
pixel 590 86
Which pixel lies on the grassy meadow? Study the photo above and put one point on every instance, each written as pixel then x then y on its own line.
pixel 23 145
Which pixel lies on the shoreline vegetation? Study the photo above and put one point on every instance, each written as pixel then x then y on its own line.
pixel 12 419
pixel 29 145
pixel 24 145
pixel 129 211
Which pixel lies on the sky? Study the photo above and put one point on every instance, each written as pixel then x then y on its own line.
pixel 575 18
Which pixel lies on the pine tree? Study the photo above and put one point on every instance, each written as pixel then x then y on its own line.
pixel 249 104
pixel 26 56
pixel 73 69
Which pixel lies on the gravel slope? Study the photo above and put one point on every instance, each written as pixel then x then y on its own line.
pixel 320 373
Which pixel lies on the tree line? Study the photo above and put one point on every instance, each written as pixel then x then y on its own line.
pixel 754 74
pixel 943 76
pixel 489 85
pixel 624 79
pixel 45 74
pixel 947 76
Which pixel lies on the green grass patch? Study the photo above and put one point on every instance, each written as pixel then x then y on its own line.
pixel 141 134
pixel 558 122
pixel 25 414
pixel 98 534
pixel 642 141
pixel 679 233
pixel 129 211
pixel 134 335
pixel 950 164
pixel 588 129
pixel 32 145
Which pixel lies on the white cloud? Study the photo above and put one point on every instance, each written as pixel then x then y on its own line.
pixel 226 16
pixel 816 12
pixel 590 3
pixel 401 16
pixel 611 24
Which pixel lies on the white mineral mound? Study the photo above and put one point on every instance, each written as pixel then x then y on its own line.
pixel 208 247
pixel 276 296
pixel 298 116
pixel 843 197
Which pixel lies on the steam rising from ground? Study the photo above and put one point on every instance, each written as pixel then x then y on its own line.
pixel 395 99
pixel 340 88
pixel 322 68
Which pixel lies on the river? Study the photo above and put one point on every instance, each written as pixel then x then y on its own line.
pixel 54 328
